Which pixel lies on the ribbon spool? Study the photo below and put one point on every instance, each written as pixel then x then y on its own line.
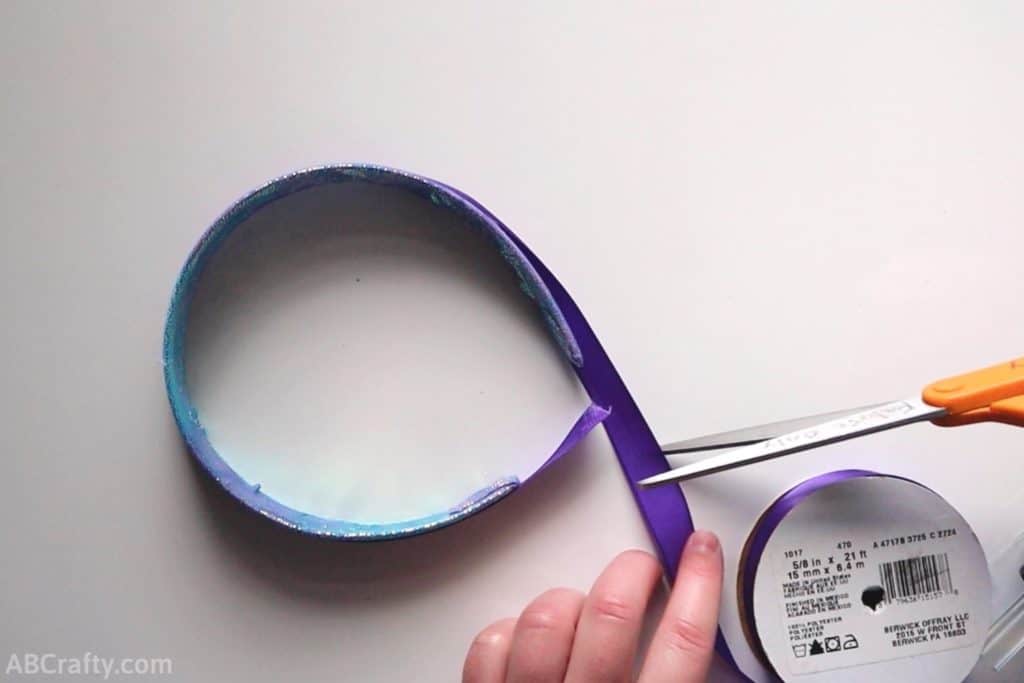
pixel 858 576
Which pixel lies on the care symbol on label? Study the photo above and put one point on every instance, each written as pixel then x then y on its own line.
pixel 800 650
pixel 850 643
pixel 816 648
pixel 832 644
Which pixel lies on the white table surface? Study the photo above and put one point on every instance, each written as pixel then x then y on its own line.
pixel 765 211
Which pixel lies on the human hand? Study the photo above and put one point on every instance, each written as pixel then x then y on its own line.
pixel 564 635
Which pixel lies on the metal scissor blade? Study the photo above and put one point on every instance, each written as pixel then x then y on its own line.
pixel 748 435
pixel 880 418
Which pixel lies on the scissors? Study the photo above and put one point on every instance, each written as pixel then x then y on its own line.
pixel 993 394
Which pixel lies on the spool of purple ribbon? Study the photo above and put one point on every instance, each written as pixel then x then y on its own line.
pixel 855 575
pixel 753 550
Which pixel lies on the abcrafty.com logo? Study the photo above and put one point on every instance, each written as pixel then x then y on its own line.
pixel 89 664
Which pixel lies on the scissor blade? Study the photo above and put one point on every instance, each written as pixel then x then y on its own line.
pixel 748 435
pixel 877 419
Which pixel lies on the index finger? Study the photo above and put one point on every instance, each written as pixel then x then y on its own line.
pixel 683 645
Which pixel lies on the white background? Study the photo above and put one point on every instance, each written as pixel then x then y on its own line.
pixel 765 211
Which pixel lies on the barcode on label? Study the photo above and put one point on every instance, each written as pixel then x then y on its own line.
pixel 916 576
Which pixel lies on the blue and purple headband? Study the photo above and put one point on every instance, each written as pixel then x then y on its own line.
pixel 664 509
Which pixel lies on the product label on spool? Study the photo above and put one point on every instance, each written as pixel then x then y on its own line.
pixel 870 570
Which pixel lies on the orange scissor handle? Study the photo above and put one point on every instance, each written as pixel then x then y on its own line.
pixel 994 394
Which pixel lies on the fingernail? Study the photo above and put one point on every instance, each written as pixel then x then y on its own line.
pixel 702 542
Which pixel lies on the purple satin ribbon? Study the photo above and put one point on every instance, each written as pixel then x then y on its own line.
pixel 762 533
pixel 663 508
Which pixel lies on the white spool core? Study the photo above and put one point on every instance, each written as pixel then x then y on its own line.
pixel 872 579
